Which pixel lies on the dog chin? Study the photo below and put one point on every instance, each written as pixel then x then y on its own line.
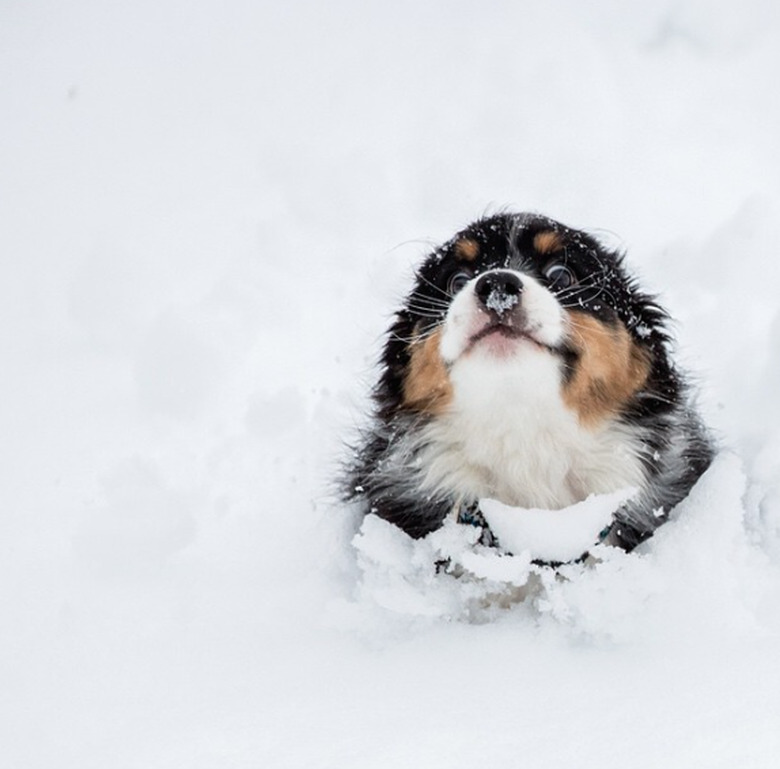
pixel 496 340
pixel 503 341
pixel 535 327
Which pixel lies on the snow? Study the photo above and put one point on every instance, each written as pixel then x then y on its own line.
pixel 500 303
pixel 208 213
pixel 553 535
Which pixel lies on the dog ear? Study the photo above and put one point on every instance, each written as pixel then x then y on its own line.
pixel 394 361
pixel 645 319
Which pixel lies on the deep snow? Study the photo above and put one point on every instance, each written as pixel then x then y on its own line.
pixel 208 212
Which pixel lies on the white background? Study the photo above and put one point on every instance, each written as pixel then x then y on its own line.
pixel 208 212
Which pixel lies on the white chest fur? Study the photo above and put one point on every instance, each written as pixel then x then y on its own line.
pixel 509 436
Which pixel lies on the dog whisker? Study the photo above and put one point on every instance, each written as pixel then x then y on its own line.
pixel 440 290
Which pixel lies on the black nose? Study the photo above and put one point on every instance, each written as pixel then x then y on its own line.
pixel 499 290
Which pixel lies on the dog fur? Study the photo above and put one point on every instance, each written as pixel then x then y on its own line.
pixel 527 366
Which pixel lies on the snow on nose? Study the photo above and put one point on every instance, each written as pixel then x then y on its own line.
pixel 499 290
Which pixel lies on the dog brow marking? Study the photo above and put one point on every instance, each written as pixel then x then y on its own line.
pixel 548 242
pixel 611 368
pixel 427 385
pixel 467 249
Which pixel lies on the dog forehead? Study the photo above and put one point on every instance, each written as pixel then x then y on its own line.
pixel 528 232
pixel 490 242
pixel 524 242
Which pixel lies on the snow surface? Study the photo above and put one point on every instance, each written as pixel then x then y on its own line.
pixel 553 535
pixel 208 212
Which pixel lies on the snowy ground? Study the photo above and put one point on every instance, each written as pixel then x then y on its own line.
pixel 207 213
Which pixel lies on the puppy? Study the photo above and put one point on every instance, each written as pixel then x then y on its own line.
pixel 527 366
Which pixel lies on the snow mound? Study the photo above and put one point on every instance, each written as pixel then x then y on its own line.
pixel 691 571
pixel 553 535
pixel 446 574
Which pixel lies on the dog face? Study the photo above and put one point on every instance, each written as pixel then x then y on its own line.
pixel 527 300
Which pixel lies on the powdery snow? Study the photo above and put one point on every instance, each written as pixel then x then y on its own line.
pixel 553 535
pixel 208 213
pixel 500 303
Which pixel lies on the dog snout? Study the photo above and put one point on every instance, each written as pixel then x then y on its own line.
pixel 499 290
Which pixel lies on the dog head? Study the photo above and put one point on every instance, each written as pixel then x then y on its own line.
pixel 521 303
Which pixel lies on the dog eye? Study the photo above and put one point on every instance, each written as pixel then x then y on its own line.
pixel 457 281
pixel 559 276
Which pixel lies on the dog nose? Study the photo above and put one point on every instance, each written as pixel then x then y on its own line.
pixel 499 290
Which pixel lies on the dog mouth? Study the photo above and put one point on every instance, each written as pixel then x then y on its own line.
pixel 508 332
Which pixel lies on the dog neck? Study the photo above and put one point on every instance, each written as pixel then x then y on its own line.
pixel 508 435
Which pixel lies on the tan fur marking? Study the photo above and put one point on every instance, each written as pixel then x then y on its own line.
pixel 548 242
pixel 467 249
pixel 427 385
pixel 611 368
